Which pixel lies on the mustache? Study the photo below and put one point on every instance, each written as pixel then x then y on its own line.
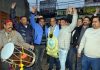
pixel 84 22
pixel 10 27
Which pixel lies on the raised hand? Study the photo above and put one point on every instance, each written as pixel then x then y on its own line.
pixel 74 11
pixel 33 9
pixel 39 16
pixel 13 5
pixel 97 11
pixel 69 10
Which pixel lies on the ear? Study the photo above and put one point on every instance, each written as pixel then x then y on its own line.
pixel 4 25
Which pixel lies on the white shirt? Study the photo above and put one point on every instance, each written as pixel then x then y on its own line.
pixel 91 43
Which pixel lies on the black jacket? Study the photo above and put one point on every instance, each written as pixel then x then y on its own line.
pixel 27 33
pixel 75 35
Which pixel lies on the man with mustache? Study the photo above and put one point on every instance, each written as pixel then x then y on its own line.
pixel 73 50
pixel 23 27
pixel 90 45
pixel 86 24
pixel 8 35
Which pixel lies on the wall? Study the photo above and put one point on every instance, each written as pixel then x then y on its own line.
pixel 5 6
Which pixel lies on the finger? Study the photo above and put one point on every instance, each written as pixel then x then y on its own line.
pixel 14 3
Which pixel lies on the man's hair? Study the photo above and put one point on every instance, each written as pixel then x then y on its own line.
pixel 80 19
pixel 7 21
pixel 22 17
pixel 65 19
pixel 88 18
pixel 53 18
pixel 96 17
pixel 39 19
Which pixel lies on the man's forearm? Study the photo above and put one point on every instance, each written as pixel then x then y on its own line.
pixel 12 13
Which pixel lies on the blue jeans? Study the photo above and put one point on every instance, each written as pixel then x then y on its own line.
pixel 79 63
pixel 73 62
pixel 88 62
pixel 62 58
pixel 72 58
pixel 53 61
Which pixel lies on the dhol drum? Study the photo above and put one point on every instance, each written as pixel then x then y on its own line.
pixel 16 55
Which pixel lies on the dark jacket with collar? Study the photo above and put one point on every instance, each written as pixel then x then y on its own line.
pixel 26 32
pixel 75 35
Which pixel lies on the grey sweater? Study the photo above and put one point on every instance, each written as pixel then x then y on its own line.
pixel 13 37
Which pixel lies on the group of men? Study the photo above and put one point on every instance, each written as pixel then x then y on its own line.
pixel 63 42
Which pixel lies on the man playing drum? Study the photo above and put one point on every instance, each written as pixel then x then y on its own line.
pixel 8 35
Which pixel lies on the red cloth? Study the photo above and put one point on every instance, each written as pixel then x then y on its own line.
pixel 7 21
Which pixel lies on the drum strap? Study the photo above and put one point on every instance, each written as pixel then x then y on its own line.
pixel 21 64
